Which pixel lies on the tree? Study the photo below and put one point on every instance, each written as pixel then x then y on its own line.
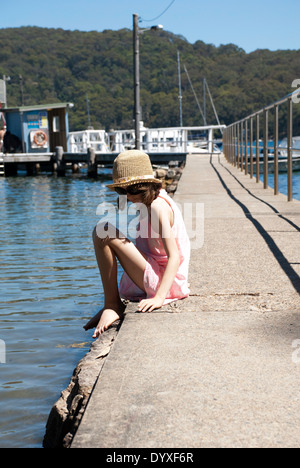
pixel 58 65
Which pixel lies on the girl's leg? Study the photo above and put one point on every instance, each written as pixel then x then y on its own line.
pixel 107 251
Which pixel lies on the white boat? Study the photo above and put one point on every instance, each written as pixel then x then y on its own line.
pixel 153 140
pixel 201 148
pixel 283 148
pixel 81 141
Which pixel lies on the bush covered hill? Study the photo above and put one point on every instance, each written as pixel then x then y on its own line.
pixel 64 66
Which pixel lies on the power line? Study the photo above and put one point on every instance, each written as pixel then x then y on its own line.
pixel 153 19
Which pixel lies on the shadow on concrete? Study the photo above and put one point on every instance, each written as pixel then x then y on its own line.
pixel 278 254
pixel 295 226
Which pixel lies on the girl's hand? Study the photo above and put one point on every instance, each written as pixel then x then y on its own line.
pixel 147 305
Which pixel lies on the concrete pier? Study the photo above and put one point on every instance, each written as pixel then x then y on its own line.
pixel 221 368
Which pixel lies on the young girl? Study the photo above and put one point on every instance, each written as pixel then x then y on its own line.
pixel 156 268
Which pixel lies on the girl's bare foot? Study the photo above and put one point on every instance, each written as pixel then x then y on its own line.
pixel 108 317
pixel 105 318
pixel 94 321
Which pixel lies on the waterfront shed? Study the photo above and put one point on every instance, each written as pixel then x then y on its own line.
pixel 40 128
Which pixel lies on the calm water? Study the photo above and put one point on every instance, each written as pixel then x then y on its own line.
pixel 283 183
pixel 49 288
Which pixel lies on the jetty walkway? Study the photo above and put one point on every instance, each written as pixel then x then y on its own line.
pixel 221 368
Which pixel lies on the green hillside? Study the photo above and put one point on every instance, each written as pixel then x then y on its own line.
pixel 58 65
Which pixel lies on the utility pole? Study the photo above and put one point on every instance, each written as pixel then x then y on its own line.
pixel 136 71
pixel 136 68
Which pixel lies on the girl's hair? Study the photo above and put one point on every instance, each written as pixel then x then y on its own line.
pixel 149 192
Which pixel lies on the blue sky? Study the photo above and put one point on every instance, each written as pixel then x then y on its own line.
pixel 253 24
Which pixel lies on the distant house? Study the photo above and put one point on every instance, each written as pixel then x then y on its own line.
pixel 39 128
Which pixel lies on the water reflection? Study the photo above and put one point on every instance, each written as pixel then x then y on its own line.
pixel 50 287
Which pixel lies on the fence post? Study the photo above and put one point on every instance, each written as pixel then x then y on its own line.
pixel 276 169
pixel 234 143
pixel 241 147
pixel 290 149
pixel 238 145
pixel 257 149
pixel 231 145
pixel 266 153
pixel 246 147
pixel 251 147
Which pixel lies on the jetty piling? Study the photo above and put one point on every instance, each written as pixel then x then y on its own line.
pixel 2 173
pixel 92 164
pixel 59 161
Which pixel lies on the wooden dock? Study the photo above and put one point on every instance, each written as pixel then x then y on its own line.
pixel 59 161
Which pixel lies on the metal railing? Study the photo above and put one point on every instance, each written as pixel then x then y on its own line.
pixel 243 151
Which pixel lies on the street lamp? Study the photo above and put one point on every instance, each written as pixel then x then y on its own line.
pixel 136 66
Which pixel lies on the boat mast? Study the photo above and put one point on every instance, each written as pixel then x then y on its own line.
pixel 179 86
pixel 212 103
pixel 204 100
pixel 203 116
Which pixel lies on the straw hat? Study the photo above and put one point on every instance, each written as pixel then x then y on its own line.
pixel 132 167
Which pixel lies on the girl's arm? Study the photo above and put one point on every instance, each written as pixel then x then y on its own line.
pixel 169 242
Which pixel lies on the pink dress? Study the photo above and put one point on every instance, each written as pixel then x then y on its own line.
pixel 157 259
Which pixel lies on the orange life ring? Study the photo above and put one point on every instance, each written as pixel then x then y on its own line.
pixel 40 138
